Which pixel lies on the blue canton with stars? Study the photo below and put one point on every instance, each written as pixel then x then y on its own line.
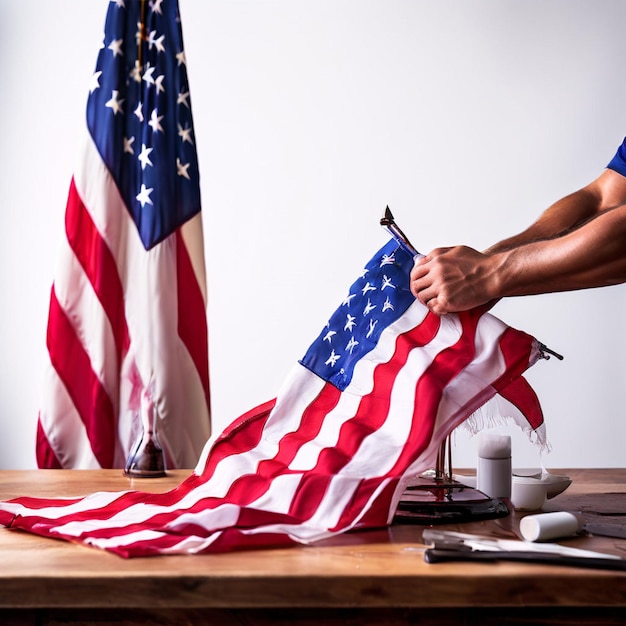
pixel 139 115
pixel 377 299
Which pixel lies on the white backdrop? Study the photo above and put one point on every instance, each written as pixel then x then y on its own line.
pixel 467 118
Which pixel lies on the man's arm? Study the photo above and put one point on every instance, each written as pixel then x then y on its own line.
pixel 605 192
pixel 579 242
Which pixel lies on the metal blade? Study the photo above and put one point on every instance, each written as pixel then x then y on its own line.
pixel 450 540
pixel 435 555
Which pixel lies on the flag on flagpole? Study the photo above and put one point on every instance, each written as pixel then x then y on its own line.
pixel 360 415
pixel 127 325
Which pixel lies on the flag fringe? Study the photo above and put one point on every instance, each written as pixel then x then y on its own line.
pixel 491 415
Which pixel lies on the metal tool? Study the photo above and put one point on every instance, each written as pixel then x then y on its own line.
pixel 454 546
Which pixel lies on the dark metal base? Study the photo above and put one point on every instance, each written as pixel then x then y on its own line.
pixel 427 501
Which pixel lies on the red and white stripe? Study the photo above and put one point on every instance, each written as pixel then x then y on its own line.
pixel 123 322
pixel 316 461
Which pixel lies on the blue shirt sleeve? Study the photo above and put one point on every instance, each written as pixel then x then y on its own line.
pixel 618 162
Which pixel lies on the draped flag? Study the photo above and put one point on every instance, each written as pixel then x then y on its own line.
pixel 361 414
pixel 127 327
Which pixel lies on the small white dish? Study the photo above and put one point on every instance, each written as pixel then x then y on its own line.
pixel 555 483
pixel 527 493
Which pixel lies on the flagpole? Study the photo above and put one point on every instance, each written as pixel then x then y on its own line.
pixel 141 34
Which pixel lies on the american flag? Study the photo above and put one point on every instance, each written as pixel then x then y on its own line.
pixel 361 414
pixel 127 329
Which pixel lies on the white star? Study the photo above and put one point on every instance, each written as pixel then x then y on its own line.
pixel 329 335
pixel 387 305
pixel 350 323
pixel 185 134
pixel 387 283
pixel 147 75
pixel 156 42
pixel 138 112
pixel 182 60
pixel 115 103
pixel 144 195
pixel 159 84
pixel 332 359
pixel 128 145
pixel 352 344
pixel 116 47
pixel 182 99
pixel 95 81
pixel 155 121
pixel 348 299
pixel 371 328
pixel 369 307
pixel 135 73
pixel 367 288
pixel 387 260
pixel 181 169
pixel 364 272
pixel 120 3
pixel 144 156
pixel 155 5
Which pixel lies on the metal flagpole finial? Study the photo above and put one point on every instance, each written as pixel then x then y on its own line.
pixel 546 352
pixel 387 221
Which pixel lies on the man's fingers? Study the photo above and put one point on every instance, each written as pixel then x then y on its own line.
pixel 420 268
pixel 419 287
pixel 435 307
pixel 424 295
pixel 419 279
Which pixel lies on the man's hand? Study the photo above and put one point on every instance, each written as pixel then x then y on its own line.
pixel 452 279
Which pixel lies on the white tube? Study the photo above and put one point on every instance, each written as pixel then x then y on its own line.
pixel 546 526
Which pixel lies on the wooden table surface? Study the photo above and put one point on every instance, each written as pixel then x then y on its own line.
pixel 381 568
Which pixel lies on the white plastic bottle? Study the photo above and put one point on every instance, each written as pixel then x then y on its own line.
pixel 494 473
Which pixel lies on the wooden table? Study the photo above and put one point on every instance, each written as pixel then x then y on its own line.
pixel 373 577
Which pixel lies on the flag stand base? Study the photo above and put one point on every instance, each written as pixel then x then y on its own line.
pixel 436 498
pixel 446 503
pixel 147 459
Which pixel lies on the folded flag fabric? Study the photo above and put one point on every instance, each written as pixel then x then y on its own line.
pixel 362 413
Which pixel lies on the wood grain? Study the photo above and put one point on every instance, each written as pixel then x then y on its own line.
pixel 381 569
